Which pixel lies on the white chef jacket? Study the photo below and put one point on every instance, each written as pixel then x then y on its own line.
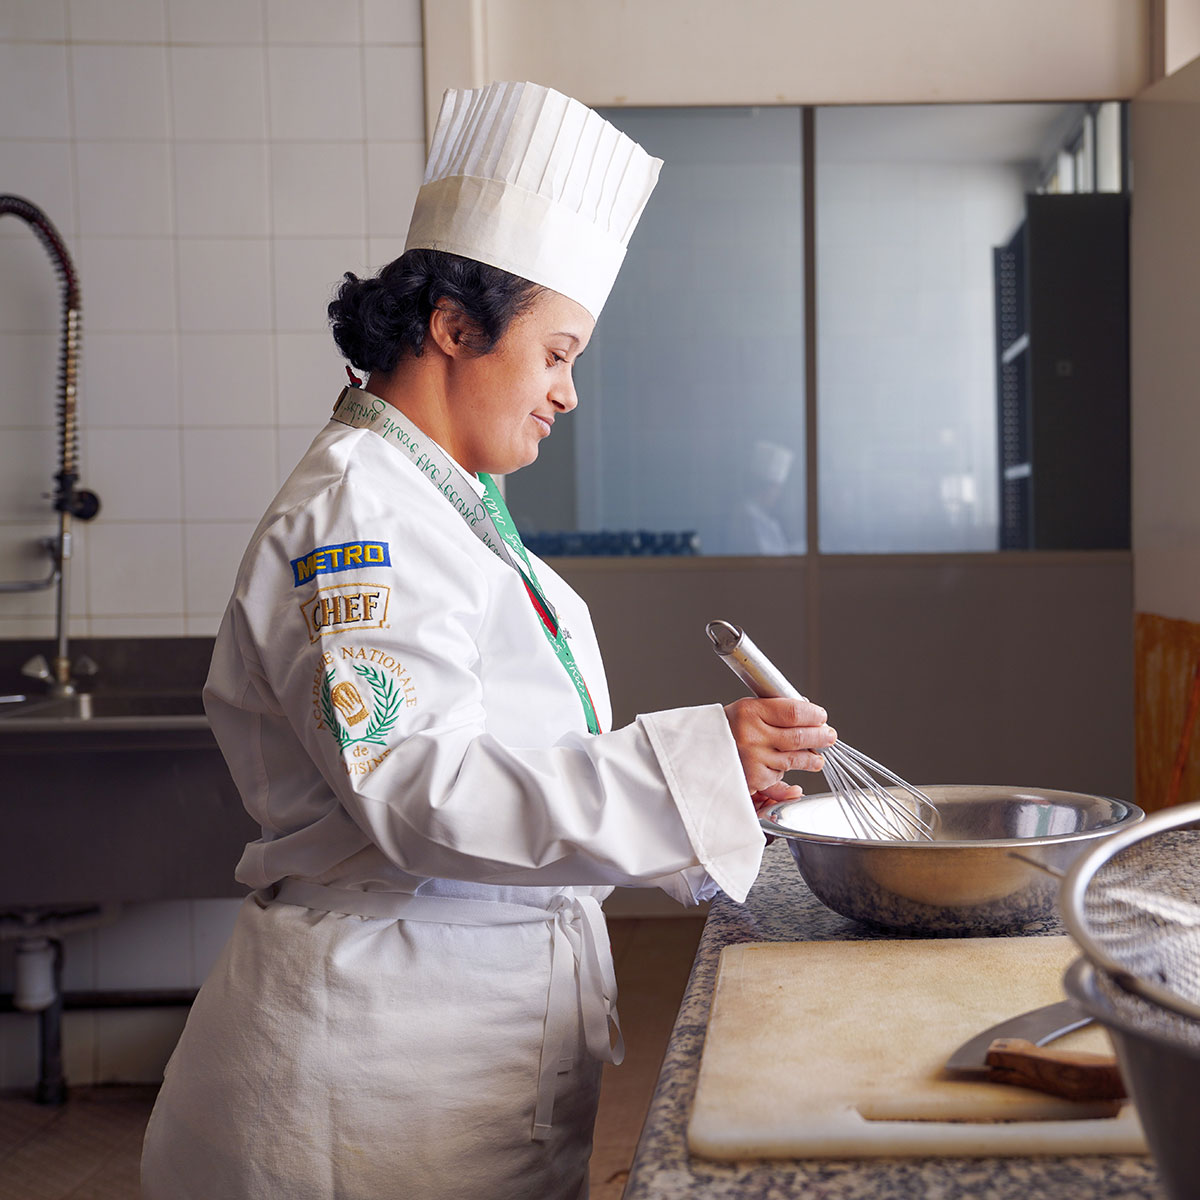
pixel 397 722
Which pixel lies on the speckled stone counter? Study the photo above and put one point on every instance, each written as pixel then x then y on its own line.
pixel 780 908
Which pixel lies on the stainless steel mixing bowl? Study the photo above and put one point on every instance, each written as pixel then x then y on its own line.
pixel 965 881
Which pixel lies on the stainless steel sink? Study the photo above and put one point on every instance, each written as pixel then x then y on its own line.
pixel 118 795
pixel 112 711
pixel 121 795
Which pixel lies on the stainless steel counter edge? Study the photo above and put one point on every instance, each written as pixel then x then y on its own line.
pixel 77 726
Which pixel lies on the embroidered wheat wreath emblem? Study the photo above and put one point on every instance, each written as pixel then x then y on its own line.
pixel 346 701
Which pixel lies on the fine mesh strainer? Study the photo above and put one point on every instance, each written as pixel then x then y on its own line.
pixel 1133 905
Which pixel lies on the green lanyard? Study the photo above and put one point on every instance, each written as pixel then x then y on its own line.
pixel 487 517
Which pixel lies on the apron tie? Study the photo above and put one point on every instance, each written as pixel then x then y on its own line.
pixel 580 954
pixel 580 962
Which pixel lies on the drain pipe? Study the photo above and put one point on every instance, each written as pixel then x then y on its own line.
pixel 38 934
pixel 39 989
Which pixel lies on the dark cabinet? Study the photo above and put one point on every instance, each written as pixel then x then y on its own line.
pixel 1062 348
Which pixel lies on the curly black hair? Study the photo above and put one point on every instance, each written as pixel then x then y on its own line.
pixel 380 320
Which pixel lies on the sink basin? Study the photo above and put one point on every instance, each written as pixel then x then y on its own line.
pixel 121 796
pixel 104 711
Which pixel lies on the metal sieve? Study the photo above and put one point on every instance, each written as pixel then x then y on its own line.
pixel 1132 903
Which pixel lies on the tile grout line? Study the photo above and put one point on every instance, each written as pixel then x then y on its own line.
pixel 272 251
pixel 85 618
pixel 177 287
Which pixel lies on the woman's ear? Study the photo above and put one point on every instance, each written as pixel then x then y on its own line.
pixel 447 327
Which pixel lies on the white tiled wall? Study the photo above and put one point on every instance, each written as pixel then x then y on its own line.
pixel 214 166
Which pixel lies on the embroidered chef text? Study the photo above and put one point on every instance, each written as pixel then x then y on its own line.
pixel 342 606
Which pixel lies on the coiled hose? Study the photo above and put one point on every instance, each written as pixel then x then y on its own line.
pixel 67 498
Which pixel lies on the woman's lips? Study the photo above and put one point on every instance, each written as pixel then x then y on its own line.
pixel 543 421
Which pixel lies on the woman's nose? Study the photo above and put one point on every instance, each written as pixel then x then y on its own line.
pixel 563 394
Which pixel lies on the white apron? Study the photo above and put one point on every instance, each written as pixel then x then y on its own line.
pixel 397 722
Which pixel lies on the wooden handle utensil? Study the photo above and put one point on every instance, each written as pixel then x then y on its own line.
pixel 1072 1074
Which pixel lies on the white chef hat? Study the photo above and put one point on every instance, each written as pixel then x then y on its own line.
pixel 526 179
pixel 771 462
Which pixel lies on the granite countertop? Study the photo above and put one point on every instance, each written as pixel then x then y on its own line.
pixel 780 908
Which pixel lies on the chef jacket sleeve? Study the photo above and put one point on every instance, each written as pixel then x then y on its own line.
pixel 397 721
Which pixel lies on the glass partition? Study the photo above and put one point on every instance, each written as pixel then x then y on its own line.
pixel 689 435
pixel 971 356
pixel 910 202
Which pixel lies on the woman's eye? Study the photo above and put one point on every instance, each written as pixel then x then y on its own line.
pixel 555 358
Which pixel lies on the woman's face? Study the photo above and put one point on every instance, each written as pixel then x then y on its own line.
pixel 508 399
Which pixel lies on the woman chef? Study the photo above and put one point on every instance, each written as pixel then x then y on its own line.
pixel 418 995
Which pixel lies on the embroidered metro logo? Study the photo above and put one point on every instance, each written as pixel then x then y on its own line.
pixel 328 560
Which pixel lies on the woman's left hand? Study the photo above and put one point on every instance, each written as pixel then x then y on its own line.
pixel 775 794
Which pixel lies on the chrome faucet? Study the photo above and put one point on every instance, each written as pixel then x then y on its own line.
pixel 69 499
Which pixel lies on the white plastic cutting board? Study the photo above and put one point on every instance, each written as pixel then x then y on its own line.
pixel 835 1050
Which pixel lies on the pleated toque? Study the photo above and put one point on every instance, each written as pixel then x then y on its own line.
pixel 528 180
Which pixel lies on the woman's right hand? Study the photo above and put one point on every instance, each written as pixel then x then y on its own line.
pixel 778 735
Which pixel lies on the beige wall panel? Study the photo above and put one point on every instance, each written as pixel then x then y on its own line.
pixel 1007 669
pixel 1003 669
pixel 1165 351
pixel 1166 577
pixel 1182 32
pixel 678 52
pixel 454 55
pixel 650 616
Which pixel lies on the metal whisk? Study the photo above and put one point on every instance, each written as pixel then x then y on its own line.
pixel 874 811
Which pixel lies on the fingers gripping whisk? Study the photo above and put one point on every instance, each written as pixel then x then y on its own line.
pixel 878 804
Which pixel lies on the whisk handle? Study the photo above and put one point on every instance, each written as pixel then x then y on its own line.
pixel 748 662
